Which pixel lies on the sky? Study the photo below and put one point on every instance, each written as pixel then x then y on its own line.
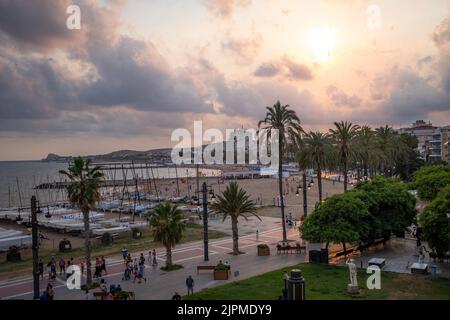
pixel 136 70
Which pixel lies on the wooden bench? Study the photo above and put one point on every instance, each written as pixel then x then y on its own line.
pixel 205 268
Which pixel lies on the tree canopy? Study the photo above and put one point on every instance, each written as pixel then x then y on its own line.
pixel 372 210
pixel 430 180
pixel 435 222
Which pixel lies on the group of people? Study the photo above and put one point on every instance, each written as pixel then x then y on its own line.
pixel 52 267
pixel 136 267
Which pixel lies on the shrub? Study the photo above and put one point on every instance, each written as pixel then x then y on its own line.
pixel 65 245
pixel 107 239
pixel 13 254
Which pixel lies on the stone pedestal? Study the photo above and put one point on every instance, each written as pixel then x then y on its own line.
pixel 352 289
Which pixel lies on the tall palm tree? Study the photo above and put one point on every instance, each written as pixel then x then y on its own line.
pixel 365 148
pixel 234 203
pixel 284 120
pixel 167 222
pixel 303 160
pixel 318 148
pixel 387 147
pixel 344 135
pixel 84 192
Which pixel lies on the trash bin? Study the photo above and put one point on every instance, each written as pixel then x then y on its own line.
pixel 432 269
pixel 314 256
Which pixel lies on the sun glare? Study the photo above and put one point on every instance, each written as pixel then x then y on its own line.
pixel 321 44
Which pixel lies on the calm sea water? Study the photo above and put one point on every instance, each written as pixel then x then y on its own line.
pixel 18 178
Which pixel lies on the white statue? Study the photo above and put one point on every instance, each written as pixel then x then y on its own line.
pixel 352 268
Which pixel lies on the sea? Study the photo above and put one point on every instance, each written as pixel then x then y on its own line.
pixel 18 178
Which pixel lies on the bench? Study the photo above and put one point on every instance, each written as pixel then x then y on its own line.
pixel 205 268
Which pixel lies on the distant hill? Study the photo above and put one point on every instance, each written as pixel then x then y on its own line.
pixel 154 156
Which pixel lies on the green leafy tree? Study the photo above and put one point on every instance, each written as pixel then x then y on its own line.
pixel 167 225
pixel 391 206
pixel 283 119
pixel 234 203
pixel 435 222
pixel 341 218
pixel 430 180
pixel 83 192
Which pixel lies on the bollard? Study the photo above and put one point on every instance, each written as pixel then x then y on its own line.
pixel 296 286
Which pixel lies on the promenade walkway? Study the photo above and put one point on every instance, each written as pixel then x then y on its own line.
pixel 162 285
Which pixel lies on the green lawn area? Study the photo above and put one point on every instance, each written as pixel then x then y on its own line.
pixel 193 232
pixel 329 283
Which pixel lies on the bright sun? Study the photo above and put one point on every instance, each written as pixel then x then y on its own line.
pixel 321 43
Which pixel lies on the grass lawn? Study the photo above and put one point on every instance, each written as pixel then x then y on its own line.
pixel 193 232
pixel 329 283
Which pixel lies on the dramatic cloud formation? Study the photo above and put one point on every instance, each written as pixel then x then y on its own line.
pixel 119 80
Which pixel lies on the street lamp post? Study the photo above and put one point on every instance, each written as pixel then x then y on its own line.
pixel 35 247
pixel 205 223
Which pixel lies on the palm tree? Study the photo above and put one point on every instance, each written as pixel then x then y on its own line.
pixel 234 202
pixel 84 192
pixel 387 147
pixel 318 148
pixel 366 148
pixel 284 120
pixel 167 222
pixel 344 135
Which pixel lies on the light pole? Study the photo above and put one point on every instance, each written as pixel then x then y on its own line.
pixel 35 247
pixel 205 218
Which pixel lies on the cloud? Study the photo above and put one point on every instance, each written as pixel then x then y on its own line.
pixel 224 8
pixel 297 71
pixel 267 70
pixel 425 60
pixel 286 67
pixel 341 99
pixel 244 50
pixel 40 26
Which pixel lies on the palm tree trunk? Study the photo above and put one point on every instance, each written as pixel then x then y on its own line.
pixel 305 195
pixel 280 185
pixel 87 244
pixel 344 158
pixel 345 249
pixel 168 256
pixel 319 182
pixel 234 228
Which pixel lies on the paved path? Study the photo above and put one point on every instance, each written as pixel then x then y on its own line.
pixel 162 285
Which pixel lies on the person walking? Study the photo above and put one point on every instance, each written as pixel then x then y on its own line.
pixel 190 285
pixel 103 266
pixel 97 273
pixel 41 269
pixel 154 260
pixel 62 266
